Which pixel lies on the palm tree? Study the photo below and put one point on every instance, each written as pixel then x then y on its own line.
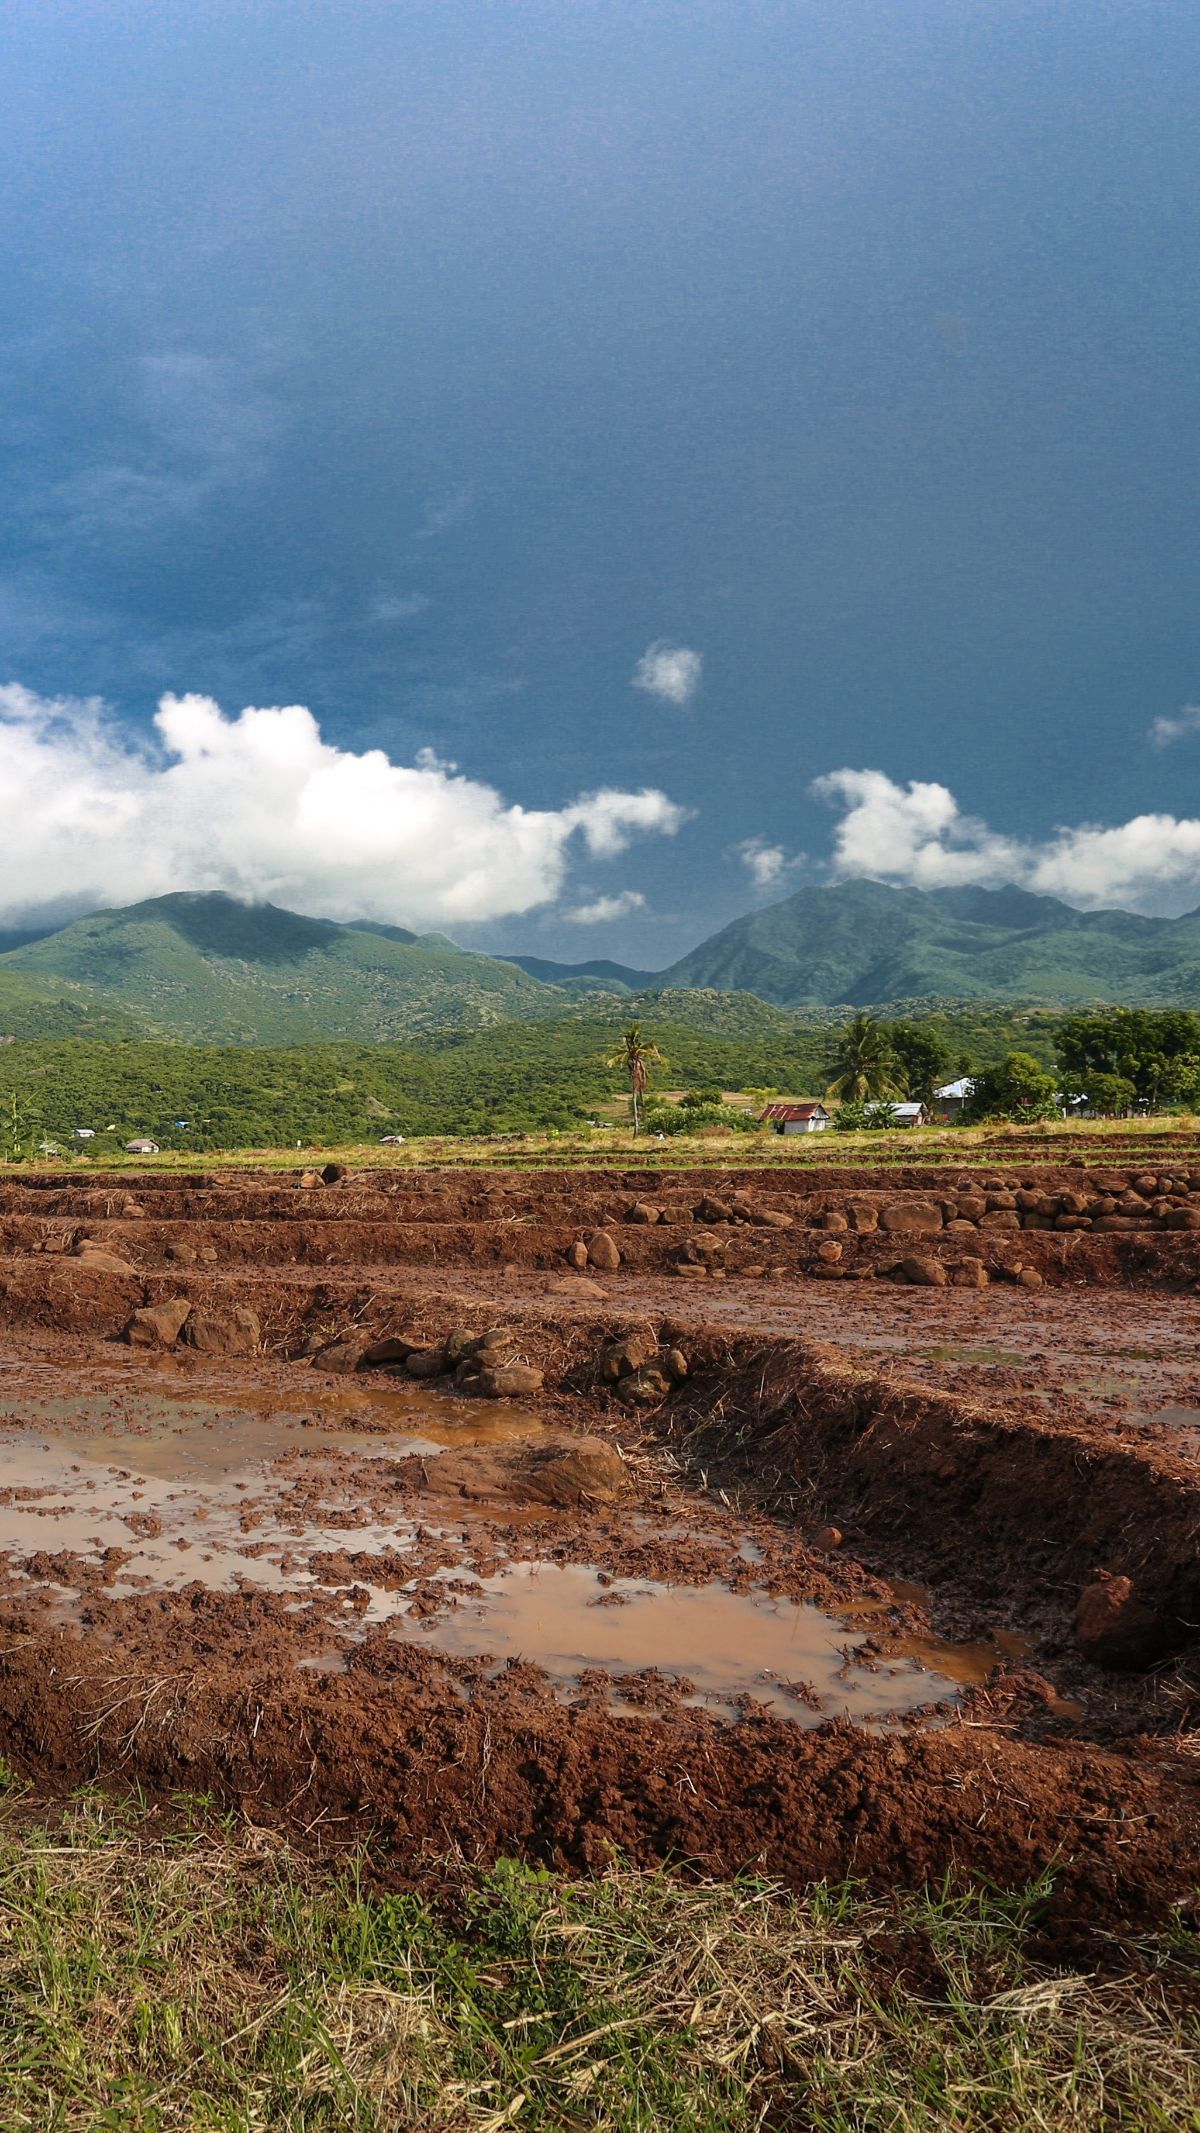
pixel 864 1067
pixel 634 1058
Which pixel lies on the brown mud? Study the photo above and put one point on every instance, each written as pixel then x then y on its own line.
pixel 761 1567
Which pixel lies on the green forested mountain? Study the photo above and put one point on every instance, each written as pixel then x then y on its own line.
pixel 208 969
pixel 865 944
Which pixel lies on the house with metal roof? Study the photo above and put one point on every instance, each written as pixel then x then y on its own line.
pixel 787 1117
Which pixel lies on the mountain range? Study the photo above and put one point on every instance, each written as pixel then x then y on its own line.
pixel 205 968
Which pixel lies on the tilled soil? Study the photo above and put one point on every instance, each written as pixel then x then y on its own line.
pixel 765 1565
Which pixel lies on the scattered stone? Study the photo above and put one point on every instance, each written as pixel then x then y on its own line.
pixel 924 1273
pixel 1113 1627
pixel 426 1363
pixel 393 1348
pixel 832 1220
pixel 577 1253
pixel 103 1262
pixel 576 1285
pixel 829 1251
pixel 333 1173
pixel 1029 1277
pixel 603 1252
pixel 509 1381
pixel 625 1355
pixel 705 1252
pixel 642 1211
pixel 309 1178
pixel 771 1218
pixel 182 1254
pixel 690 1271
pixel 710 1209
pixel 675 1363
pixel 911 1215
pixel 862 1216
pixel 827 1538
pixel 158 1325
pixel 340 1358
pixel 969 1274
pixel 236 1331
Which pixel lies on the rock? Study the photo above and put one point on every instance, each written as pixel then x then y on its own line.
pixel 703 1252
pixel 690 1271
pixel 158 1325
pixel 829 1251
pixel 309 1178
pixel 970 1274
pixel 924 1273
pixel 710 1209
pixel 1000 1218
pixel 182 1254
pixel 1146 1185
pixel 971 1206
pixel 577 1253
pixel 235 1331
pixel 832 1219
pixel 675 1363
pixel 771 1218
pixel 910 1215
pixel 425 1363
pixel 576 1285
pixel 1001 1202
pixel 1184 1218
pixel 495 1342
pixel 863 1218
pixel 340 1358
pixel 510 1381
pixel 625 1355
pixel 393 1348
pixel 461 1344
pixel 960 1227
pixel 564 1471
pixel 644 1388
pixel 1113 1627
pixel 603 1252
pixel 642 1211
pixel 827 1538
pixel 1029 1278
pixel 333 1173
pixel 101 1262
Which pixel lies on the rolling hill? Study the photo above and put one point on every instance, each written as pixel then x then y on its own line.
pixel 208 969
pixel 862 944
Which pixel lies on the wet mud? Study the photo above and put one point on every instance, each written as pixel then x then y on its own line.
pixel 761 1568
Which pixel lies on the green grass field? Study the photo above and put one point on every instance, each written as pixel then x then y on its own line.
pixel 179 1973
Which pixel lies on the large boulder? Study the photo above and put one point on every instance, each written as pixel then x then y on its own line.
pixel 603 1252
pixel 509 1381
pixel 235 1330
pixel 158 1325
pixel 923 1273
pixel 919 1215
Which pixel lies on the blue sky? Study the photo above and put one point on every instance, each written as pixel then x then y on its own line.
pixel 443 367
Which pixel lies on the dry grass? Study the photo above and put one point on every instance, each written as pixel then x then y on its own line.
pixel 172 1974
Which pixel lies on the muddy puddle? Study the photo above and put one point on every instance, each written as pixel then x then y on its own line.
pixel 113 1492
pixel 725 1648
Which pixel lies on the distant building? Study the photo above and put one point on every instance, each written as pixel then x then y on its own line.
pixel 392 1140
pixel 786 1117
pixel 909 1114
pixel 951 1098
pixel 84 1133
pixel 141 1147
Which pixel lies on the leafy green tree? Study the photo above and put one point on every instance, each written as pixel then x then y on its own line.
pixel 1108 1095
pixel 634 1057
pixel 1018 1088
pixel 864 1065
pixel 1158 1050
pixel 922 1057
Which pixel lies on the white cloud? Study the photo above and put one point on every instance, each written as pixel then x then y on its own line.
pixel 1166 730
pixel 916 834
pixel 606 907
pixel 670 671
pixel 399 607
pixel 260 805
pixel 768 865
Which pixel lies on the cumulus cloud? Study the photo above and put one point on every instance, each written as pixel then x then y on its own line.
pixel 262 806
pixel 768 865
pixel 605 907
pixel 917 834
pixel 1166 730
pixel 670 671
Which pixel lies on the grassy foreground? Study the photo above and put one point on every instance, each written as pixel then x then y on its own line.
pixel 181 1974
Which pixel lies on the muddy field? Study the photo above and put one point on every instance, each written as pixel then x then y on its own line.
pixel 828 1522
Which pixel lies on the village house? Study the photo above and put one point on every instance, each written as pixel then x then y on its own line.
pixel 909 1114
pixel 950 1100
pixel 785 1116
pixel 141 1148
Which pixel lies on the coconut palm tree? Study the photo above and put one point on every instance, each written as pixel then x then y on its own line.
pixel 865 1069
pixel 634 1058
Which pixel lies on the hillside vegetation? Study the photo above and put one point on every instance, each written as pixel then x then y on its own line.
pixel 207 969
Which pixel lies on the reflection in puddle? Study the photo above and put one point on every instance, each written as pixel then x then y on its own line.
pixel 786 1655
pixel 958 1352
